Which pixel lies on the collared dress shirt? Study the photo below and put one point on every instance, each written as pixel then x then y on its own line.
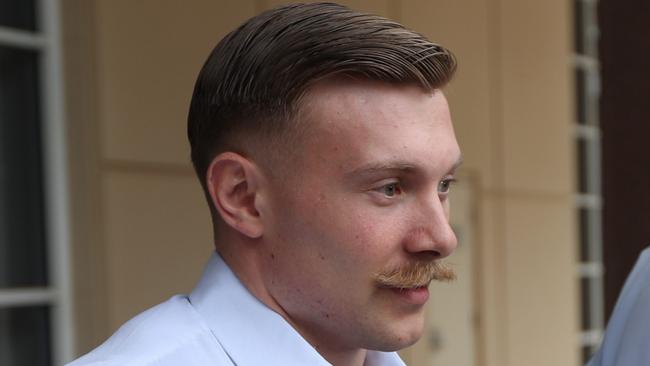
pixel 627 339
pixel 220 323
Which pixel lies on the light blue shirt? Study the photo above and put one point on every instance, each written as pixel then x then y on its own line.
pixel 627 339
pixel 220 323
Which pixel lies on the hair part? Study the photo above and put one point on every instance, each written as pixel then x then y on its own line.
pixel 249 88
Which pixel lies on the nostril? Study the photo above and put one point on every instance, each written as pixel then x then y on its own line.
pixel 430 244
pixel 430 255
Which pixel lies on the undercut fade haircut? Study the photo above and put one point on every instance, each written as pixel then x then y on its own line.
pixel 250 87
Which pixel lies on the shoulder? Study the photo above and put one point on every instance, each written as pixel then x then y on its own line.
pixel 627 338
pixel 170 333
pixel 634 300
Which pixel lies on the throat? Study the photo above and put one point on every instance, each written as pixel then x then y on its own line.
pixel 330 345
pixel 343 358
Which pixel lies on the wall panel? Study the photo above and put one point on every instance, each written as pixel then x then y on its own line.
pixel 158 238
pixel 149 53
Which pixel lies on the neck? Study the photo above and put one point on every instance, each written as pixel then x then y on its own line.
pixel 336 357
pixel 326 345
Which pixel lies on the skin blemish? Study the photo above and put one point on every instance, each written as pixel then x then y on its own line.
pixel 272 256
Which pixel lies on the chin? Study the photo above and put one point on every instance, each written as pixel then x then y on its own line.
pixel 397 345
pixel 401 336
pixel 408 340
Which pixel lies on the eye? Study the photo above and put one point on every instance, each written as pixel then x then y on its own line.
pixel 391 190
pixel 445 185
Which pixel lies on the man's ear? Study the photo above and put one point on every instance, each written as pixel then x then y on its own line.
pixel 233 182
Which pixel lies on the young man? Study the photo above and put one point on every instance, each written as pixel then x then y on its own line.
pixel 326 152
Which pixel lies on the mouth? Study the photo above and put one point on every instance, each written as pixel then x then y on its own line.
pixel 412 295
pixel 410 283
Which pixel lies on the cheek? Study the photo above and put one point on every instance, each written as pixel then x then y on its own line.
pixel 366 233
pixel 447 208
pixel 347 231
pixel 365 241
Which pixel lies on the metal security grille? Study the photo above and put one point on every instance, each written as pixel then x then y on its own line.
pixel 35 302
pixel 588 198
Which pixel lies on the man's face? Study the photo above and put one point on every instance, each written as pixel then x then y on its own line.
pixel 367 195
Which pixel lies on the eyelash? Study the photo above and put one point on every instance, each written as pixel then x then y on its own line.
pixel 397 187
pixel 444 186
pixel 447 183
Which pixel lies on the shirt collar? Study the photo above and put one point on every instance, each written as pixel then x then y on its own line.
pixel 249 331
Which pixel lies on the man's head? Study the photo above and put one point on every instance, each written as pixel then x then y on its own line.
pixel 249 91
pixel 326 150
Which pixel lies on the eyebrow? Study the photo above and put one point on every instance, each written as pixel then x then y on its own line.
pixel 398 165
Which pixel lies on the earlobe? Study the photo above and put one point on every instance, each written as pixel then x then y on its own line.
pixel 232 181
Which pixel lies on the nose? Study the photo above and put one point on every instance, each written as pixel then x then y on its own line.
pixel 432 234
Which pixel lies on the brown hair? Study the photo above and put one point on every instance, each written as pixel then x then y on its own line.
pixel 251 83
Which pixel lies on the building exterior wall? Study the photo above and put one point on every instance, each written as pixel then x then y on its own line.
pixel 142 228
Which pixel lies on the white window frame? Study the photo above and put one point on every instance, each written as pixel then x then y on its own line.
pixel 58 295
pixel 590 133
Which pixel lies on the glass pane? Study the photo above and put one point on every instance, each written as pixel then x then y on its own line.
pixel 587 352
pixel 25 336
pixel 579 26
pixel 585 301
pixel 18 14
pixel 590 28
pixel 581 95
pixel 22 226
pixel 581 165
pixel 583 220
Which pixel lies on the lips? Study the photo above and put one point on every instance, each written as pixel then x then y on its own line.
pixel 414 295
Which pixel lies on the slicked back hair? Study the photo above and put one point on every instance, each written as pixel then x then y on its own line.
pixel 251 84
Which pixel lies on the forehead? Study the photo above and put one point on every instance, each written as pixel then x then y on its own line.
pixel 355 123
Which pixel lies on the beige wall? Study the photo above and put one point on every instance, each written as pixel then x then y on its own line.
pixel 142 230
